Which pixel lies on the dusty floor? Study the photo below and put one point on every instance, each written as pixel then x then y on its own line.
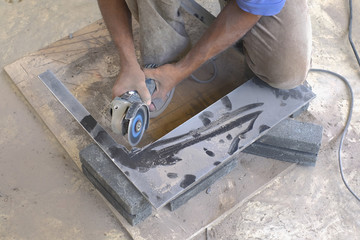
pixel 43 195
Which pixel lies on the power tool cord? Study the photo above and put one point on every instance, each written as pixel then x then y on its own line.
pixel 346 125
pixel 351 108
pixel 212 61
pixel 350 33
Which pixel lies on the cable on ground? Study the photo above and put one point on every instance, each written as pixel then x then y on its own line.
pixel 346 125
pixel 351 108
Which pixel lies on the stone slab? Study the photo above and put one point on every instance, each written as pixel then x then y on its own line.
pixel 121 193
pixel 165 169
pixel 203 184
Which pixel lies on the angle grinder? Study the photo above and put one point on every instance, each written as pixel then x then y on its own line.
pixel 130 115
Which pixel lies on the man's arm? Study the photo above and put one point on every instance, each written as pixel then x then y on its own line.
pixel 117 18
pixel 231 24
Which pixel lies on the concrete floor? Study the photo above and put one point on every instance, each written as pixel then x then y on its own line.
pixel 43 195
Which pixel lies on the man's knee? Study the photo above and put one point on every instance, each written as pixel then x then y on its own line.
pixel 286 77
pixel 278 48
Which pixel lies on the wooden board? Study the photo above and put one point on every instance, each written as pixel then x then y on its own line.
pixel 88 65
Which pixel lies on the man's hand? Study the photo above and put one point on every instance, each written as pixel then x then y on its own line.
pixel 231 24
pixel 117 17
pixel 131 78
pixel 166 77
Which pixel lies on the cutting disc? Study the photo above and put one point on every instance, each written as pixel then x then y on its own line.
pixel 137 126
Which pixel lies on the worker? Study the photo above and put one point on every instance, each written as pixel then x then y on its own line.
pixel 276 36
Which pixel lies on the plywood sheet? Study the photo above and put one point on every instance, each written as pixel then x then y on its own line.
pixel 88 64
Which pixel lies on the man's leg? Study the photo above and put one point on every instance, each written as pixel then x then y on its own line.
pixel 278 48
pixel 163 38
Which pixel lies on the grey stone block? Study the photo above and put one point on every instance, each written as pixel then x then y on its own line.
pixel 203 184
pixel 113 180
pixel 132 219
pixel 290 141
pixel 282 154
pixel 294 135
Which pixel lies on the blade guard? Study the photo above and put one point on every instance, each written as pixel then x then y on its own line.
pixel 125 108
pixel 118 111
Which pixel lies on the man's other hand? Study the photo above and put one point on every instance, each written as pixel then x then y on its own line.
pixel 131 78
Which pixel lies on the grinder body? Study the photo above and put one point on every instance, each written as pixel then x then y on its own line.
pixel 130 115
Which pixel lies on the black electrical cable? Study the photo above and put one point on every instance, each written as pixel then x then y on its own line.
pixel 351 107
pixel 350 33
pixel 212 61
